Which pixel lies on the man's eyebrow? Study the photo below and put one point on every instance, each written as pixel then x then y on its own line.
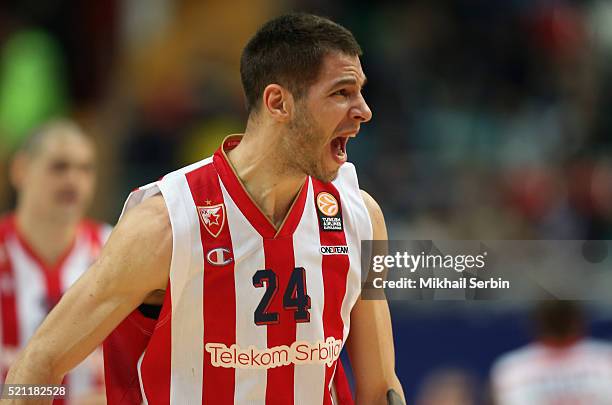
pixel 349 81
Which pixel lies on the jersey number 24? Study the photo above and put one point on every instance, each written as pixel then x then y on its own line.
pixel 295 297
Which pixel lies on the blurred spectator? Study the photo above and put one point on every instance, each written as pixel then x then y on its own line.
pixel 46 244
pixel 562 366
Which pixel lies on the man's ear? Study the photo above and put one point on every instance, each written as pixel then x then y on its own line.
pixel 18 169
pixel 278 102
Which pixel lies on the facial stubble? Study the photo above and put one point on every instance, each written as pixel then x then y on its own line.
pixel 305 146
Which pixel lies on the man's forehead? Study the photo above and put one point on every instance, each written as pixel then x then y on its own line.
pixel 62 145
pixel 339 67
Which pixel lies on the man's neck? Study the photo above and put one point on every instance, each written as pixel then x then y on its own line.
pixel 49 238
pixel 260 166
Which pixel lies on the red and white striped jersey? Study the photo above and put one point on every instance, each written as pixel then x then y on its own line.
pixel 541 374
pixel 29 288
pixel 251 315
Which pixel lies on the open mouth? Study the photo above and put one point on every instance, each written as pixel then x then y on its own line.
pixel 338 149
pixel 67 196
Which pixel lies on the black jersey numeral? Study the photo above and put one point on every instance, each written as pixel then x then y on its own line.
pixel 295 297
pixel 262 316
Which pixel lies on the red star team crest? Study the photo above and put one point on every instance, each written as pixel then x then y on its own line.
pixel 213 218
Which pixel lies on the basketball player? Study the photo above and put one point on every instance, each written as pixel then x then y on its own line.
pixel 45 245
pixel 561 367
pixel 253 253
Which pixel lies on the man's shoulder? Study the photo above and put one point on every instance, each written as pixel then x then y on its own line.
pixel 171 182
pixel 596 348
pixel 141 243
pixel 151 212
pixel 146 225
pixel 370 202
pixel 518 358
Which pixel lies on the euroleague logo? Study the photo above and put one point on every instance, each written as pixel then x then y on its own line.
pixel 329 213
pixel 327 203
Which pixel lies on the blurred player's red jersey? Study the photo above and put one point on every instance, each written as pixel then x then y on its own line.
pixel 579 373
pixel 29 288
pixel 251 315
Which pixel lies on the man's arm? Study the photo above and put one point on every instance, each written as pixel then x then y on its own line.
pixel 370 342
pixel 132 267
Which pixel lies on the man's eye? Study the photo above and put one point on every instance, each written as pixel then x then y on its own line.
pixel 342 93
pixel 59 167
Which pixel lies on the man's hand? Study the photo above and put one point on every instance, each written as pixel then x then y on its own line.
pixel 394 399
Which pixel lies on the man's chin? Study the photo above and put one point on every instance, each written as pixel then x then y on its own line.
pixel 68 213
pixel 325 173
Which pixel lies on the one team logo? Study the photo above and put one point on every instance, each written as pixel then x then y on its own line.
pixel 213 218
pixel 334 250
pixel 327 203
pixel 219 256
pixel 329 212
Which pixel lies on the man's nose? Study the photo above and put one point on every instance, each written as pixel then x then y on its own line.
pixel 361 111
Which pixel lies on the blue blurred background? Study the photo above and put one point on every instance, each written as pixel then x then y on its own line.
pixel 492 120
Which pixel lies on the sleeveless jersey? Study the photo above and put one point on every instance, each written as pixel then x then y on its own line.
pixel 252 315
pixel 538 374
pixel 29 288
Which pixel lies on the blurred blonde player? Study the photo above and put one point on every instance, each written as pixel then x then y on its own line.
pixel 563 367
pixel 46 244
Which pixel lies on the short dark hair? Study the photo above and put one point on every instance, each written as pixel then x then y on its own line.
pixel 559 319
pixel 289 51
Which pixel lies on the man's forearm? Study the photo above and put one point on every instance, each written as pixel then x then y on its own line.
pixel 32 368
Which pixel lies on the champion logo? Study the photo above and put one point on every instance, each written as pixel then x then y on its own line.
pixel 327 204
pixel 213 218
pixel 219 256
